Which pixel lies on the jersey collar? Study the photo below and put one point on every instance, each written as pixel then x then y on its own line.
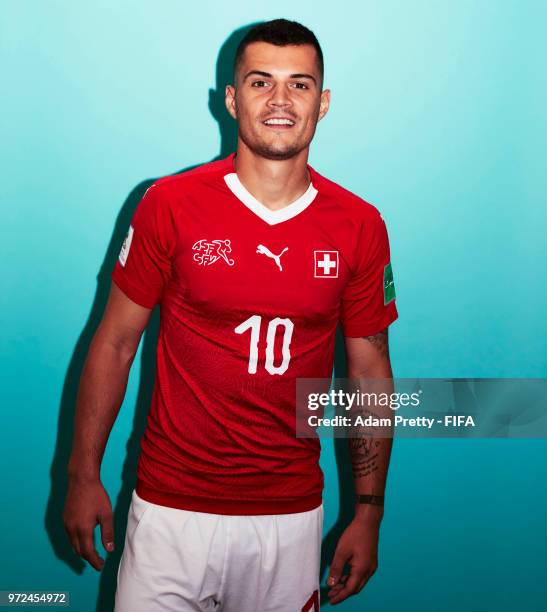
pixel 271 217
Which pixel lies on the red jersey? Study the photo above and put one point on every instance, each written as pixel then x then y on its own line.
pixel 250 299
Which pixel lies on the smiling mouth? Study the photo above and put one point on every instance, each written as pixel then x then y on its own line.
pixel 279 122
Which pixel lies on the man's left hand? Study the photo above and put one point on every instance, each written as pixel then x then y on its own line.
pixel 358 547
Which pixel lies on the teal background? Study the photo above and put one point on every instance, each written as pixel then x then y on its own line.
pixel 438 118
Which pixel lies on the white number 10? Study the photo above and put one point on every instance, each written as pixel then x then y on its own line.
pixel 253 323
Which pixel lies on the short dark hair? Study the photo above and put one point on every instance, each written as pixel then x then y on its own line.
pixel 280 32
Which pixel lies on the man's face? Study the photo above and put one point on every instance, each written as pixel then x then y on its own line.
pixel 277 98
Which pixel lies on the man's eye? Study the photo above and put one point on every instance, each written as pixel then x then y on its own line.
pixel 259 83
pixel 300 86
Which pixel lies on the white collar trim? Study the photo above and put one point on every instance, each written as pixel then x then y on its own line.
pixel 271 217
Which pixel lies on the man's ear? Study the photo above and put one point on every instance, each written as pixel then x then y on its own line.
pixel 230 99
pixel 324 104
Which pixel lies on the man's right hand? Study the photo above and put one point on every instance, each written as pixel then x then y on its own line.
pixel 87 503
pixel 100 395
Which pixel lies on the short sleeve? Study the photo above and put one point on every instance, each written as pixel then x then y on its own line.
pixel 143 268
pixel 368 301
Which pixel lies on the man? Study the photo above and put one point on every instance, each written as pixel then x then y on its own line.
pixel 254 260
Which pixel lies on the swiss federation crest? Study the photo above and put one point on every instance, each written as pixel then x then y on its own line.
pixel 210 251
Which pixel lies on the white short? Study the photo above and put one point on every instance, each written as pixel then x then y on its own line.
pixel 180 560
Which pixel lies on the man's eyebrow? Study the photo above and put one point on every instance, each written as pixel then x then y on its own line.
pixel 303 76
pixel 269 76
pixel 258 73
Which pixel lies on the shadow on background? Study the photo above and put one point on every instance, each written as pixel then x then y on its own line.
pixel 59 481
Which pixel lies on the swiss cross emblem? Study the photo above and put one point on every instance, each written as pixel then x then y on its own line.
pixel 326 264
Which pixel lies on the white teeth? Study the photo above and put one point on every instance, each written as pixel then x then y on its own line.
pixel 279 122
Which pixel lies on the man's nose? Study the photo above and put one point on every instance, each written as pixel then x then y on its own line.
pixel 280 98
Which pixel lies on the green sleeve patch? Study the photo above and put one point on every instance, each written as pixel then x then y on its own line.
pixel 389 285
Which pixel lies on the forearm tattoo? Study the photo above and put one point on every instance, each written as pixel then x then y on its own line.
pixel 364 456
pixel 380 342
pixel 374 500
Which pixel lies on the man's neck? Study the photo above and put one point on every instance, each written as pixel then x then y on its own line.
pixel 274 183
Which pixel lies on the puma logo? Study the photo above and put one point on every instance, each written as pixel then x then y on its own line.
pixel 266 251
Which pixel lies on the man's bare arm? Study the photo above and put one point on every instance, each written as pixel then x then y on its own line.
pixel 368 358
pixel 101 391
